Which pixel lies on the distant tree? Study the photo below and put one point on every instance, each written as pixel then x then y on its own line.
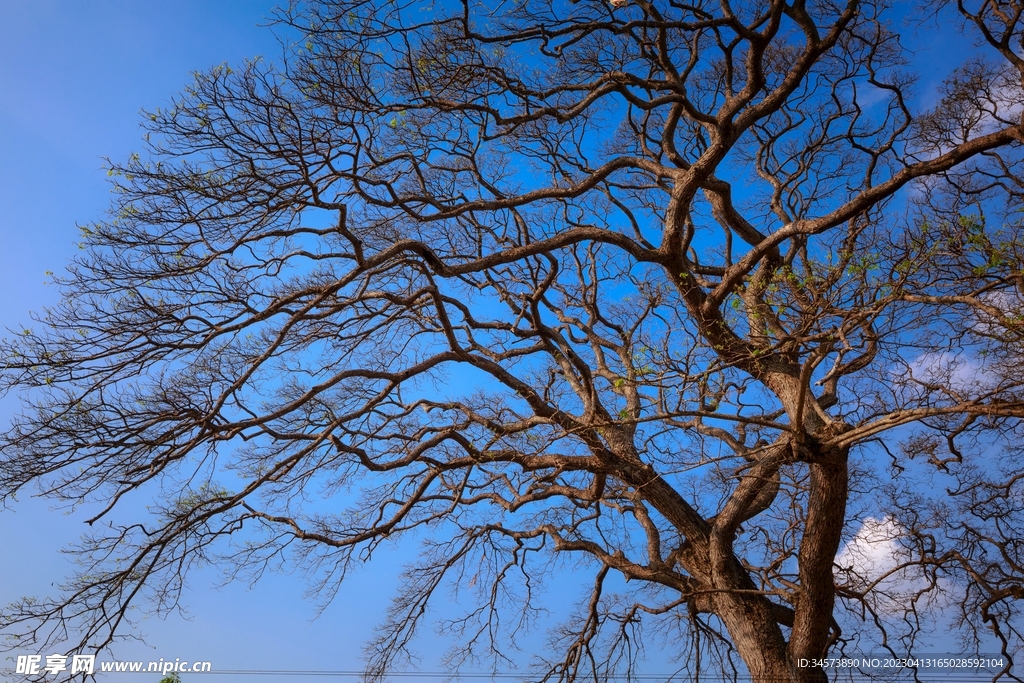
pixel 692 294
pixel 171 678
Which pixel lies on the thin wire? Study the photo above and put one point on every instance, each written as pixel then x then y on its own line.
pixel 953 677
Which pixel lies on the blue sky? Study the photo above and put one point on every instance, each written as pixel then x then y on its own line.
pixel 73 78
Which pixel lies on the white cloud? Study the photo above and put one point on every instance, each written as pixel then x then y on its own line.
pixel 959 372
pixel 874 551
pixel 875 560
pixel 1007 302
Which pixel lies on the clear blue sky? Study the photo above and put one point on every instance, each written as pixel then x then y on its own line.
pixel 73 78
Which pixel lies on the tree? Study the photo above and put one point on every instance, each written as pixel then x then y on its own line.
pixel 692 295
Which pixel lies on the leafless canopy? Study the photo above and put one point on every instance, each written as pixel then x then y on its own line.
pixel 694 294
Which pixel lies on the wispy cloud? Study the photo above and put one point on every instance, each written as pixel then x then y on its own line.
pixel 876 561
pixel 959 372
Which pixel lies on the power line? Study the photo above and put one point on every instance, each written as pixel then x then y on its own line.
pixel 926 675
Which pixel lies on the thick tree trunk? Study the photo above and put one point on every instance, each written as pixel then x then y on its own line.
pixel 755 632
pixel 751 619
pixel 826 512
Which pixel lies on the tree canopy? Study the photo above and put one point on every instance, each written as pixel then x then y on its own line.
pixel 701 295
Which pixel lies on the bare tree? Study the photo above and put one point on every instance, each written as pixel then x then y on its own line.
pixel 689 293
